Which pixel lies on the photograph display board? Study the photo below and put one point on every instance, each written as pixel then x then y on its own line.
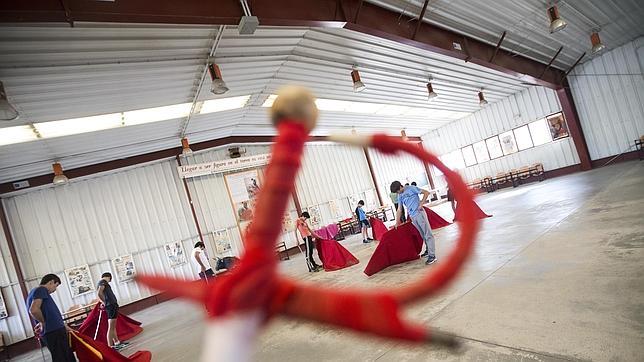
pixel 124 268
pixel 79 280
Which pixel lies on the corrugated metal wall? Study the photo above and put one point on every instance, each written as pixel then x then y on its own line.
pixel 91 221
pixel 139 210
pixel 329 172
pixel 609 94
pixel 16 327
pixel 389 168
pixel 509 113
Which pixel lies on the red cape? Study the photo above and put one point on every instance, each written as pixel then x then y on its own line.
pixel 435 220
pixel 89 350
pixel 478 213
pixel 126 327
pixel 378 228
pixel 334 256
pixel 397 246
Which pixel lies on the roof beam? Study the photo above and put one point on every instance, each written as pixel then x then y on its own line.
pixel 551 61
pixel 374 20
pixel 420 19
pixel 573 66
pixel 498 45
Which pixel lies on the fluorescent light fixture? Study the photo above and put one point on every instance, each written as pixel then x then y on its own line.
pixel 7 111
pixel 596 42
pixel 223 104
pixel 270 100
pixel 72 126
pixel 364 108
pixel 556 22
pixel 17 134
pixel 156 114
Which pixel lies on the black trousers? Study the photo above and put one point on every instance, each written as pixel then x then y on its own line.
pixel 58 345
pixel 402 217
pixel 209 274
pixel 310 262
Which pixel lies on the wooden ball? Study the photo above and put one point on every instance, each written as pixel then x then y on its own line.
pixel 295 104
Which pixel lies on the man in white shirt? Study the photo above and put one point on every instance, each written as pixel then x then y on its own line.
pixel 200 260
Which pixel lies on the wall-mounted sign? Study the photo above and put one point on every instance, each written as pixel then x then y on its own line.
pixel 234 164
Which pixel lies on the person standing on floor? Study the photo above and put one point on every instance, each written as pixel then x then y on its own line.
pixel 108 299
pixel 307 236
pixel 50 325
pixel 200 260
pixel 363 222
pixel 408 196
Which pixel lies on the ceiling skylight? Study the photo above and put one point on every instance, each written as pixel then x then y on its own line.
pixel 17 134
pixel 66 127
pixel 223 104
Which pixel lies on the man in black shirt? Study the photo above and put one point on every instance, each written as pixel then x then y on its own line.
pixel 108 299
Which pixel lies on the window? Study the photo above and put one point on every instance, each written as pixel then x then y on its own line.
pixel 468 155
pixel 540 132
pixel 523 138
pixel 494 147
pixel 480 150
pixel 508 144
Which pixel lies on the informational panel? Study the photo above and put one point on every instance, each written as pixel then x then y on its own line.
pixel 80 280
pixel 124 268
pixel 243 188
pixel 175 254
pixel 3 308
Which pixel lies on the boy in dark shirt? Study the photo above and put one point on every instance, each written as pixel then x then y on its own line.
pixel 50 326
pixel 107 297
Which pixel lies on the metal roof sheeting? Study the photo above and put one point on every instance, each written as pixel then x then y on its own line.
pixel 526 23
pixel 54 72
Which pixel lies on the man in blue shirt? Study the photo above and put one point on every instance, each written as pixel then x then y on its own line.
pixel 50 326
pixel 363 222
pixel 408 196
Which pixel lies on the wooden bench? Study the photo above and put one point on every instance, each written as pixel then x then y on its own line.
pixel 639 145
pixel 76 314
pixel 280 249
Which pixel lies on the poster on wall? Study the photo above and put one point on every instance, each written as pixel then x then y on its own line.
pixel 334 207
pixel 558 126
pixel 316 217
pixel 508 143
pixel 287 224
pixel 370 200
pixel 79 280
pixel 175 254
pixel 353 201
pixel 222 241
pixel 243 188
pixel 3 308
pixel 124 268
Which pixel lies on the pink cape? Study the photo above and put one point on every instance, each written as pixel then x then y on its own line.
pixel 334 256
pixel 397 246
pixel 89 350
pixel 126 327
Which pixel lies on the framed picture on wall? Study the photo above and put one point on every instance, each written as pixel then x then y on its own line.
pixel 124 268
pixel 222 241
pixel 370 200
pixel 335 208
pixel 79 280
pixel 353 201
pixel 494 147
pixel 558 126
pixel 468 155
pixel 480 150
pixel 3 307
pixel 508 143
pixel 175 254
pixel 316 216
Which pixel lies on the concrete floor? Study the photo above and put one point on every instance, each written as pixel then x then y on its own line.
pixel 558 274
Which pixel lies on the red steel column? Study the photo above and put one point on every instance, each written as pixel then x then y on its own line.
pixel 192 206
pixel 574 126
pixel 12 251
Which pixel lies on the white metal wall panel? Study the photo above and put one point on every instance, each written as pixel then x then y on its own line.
pixel 91 221
pixel 507 114
pixel 388 168
pixel 16 327
pixel 332 172
pixel 210 195
pixel 609 95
